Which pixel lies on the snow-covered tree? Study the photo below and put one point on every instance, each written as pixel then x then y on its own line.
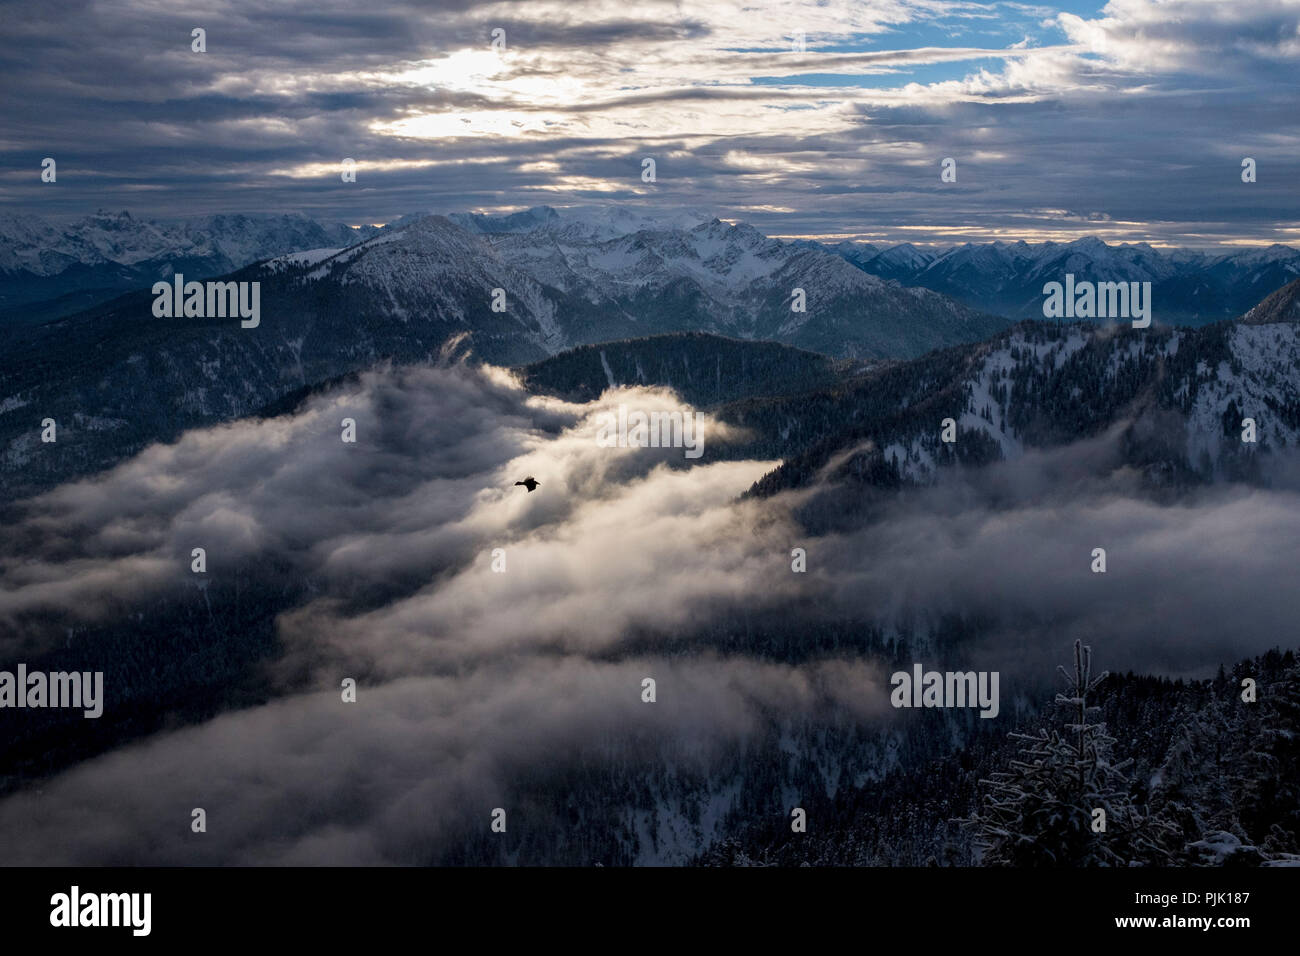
pixel 1043 810
pixel 1195 785
pixel 1270 803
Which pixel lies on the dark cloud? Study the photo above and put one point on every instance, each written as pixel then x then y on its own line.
pixel 1139 119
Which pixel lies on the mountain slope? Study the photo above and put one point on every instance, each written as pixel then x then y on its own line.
pixel 703 369
pixel 117 378
pixel 732 280
pixel 48 270
pixel 1178 398
pixel 1282 306
pixel 1188 287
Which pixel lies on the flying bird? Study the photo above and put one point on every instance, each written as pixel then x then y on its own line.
pixel 530 483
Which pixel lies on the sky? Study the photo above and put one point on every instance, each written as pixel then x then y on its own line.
pixel 1128 120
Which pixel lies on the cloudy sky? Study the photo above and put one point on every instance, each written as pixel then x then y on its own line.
pixel 1126 120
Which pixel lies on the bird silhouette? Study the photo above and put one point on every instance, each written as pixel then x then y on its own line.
pixel 530 483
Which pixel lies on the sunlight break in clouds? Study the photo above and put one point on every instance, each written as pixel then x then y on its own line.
pixel 1139 109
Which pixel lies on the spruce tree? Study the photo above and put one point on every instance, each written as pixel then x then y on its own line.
pixel 1198 781
pixel 1270 803
pixel 1043 809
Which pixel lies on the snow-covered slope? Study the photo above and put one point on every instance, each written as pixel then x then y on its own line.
pixel 733 280
pixel 1173 399
pixel 593 275
pixel 1188 287
pixel 108 253
pixel 1282 306
pixel 43 248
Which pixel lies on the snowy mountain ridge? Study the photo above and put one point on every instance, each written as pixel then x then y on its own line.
pixel 41 247
pixel 1190 287
pixel 568 283
pixel 48 270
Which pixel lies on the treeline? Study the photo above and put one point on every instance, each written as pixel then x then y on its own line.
pixel 1189 773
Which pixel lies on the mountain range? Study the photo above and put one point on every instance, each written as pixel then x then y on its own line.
pixel 1188 287
pixel 868 357
pixel 1177 397
pixel 116 377
pixel 48 270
